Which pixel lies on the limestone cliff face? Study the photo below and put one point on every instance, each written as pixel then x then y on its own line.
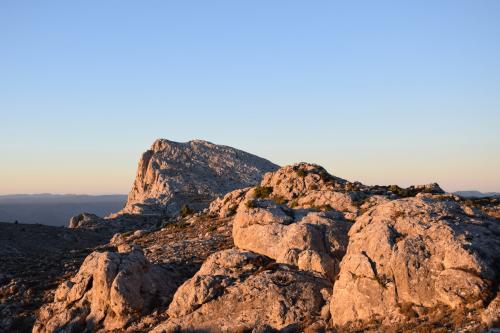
pixel 172 174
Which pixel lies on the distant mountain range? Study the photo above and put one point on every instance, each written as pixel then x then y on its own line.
pixel 476 194
pixel 56 209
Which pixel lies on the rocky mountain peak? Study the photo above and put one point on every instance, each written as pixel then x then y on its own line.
pixel 172 174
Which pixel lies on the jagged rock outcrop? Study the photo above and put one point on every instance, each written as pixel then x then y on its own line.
pixel 116 224
pixel 227 205
pixel 411 255
pixel 310 240
pixel 235 291
pixel 173 174
pixel 308 185
pixel 109 291
pixel 300 263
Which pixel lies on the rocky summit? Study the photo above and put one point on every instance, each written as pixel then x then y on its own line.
pixel 173 174
pixel 298 250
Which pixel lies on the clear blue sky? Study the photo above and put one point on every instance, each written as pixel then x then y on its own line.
pixel 376 91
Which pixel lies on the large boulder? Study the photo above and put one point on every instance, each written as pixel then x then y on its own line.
pixel 84 220
pixel 237 290
pixel 308 239
pixel 173 174
pixel 311 186
pixel 413 255
pixel 109 291
pixel 228 204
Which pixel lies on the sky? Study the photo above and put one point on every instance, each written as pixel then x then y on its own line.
pixel 382 92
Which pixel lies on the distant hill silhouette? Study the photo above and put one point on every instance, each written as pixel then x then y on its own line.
pixel 56 209
pixel 476 194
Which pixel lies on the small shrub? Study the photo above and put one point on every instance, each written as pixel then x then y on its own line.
pixel 212 228
pixel 402 192
pixel 301 173
pixel 180 225
pixel 313 187
pixel 232 211
pixel 262 192
pixel 250 204
pixel 294 204
pixel 398 214
pixel 279 200
pixel 186 211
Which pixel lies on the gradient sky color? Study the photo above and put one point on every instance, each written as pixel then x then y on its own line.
pixel 382 92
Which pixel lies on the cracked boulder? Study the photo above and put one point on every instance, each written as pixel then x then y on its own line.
pixel 109 291
pixel 413 255
pixel 237 290
pixel 228 204
pixel 311 240
pixel 307 185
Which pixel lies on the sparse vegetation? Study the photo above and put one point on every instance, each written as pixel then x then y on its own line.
pixel 403 192
pixel 250 204
pixel 398 214
pixel 294 203
pixel 232 210
pixel 262 192
pixel 279 200
pixel 186 211
pixel 301 173
pixel 179 225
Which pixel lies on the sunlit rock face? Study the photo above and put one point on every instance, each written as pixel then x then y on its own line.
pixel 416 254
pixel 110 290
pixel 310 240
pixel 240 291
pixel 173 174
pixel 300 251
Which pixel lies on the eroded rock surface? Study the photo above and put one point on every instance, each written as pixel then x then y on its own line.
pixel 228 205
pixel 173 174
pixel 110 290
pixel 310 240
pixel 412 255
pixel 309 185
pixel 425 262
pixel 237 290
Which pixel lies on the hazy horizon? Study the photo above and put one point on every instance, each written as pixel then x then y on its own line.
pixel 379 92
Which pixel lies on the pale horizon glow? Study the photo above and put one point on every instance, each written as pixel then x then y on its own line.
pixel 380 92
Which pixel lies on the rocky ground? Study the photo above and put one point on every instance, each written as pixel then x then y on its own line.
pixel 302 251
pixel 34 259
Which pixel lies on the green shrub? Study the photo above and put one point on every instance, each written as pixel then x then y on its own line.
pixel 186 211
pixel 250 204
pixel 179 225
pixel 232 210
pixel 301 173
pixel 279 200
pixel 402 192
pixel 262 192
